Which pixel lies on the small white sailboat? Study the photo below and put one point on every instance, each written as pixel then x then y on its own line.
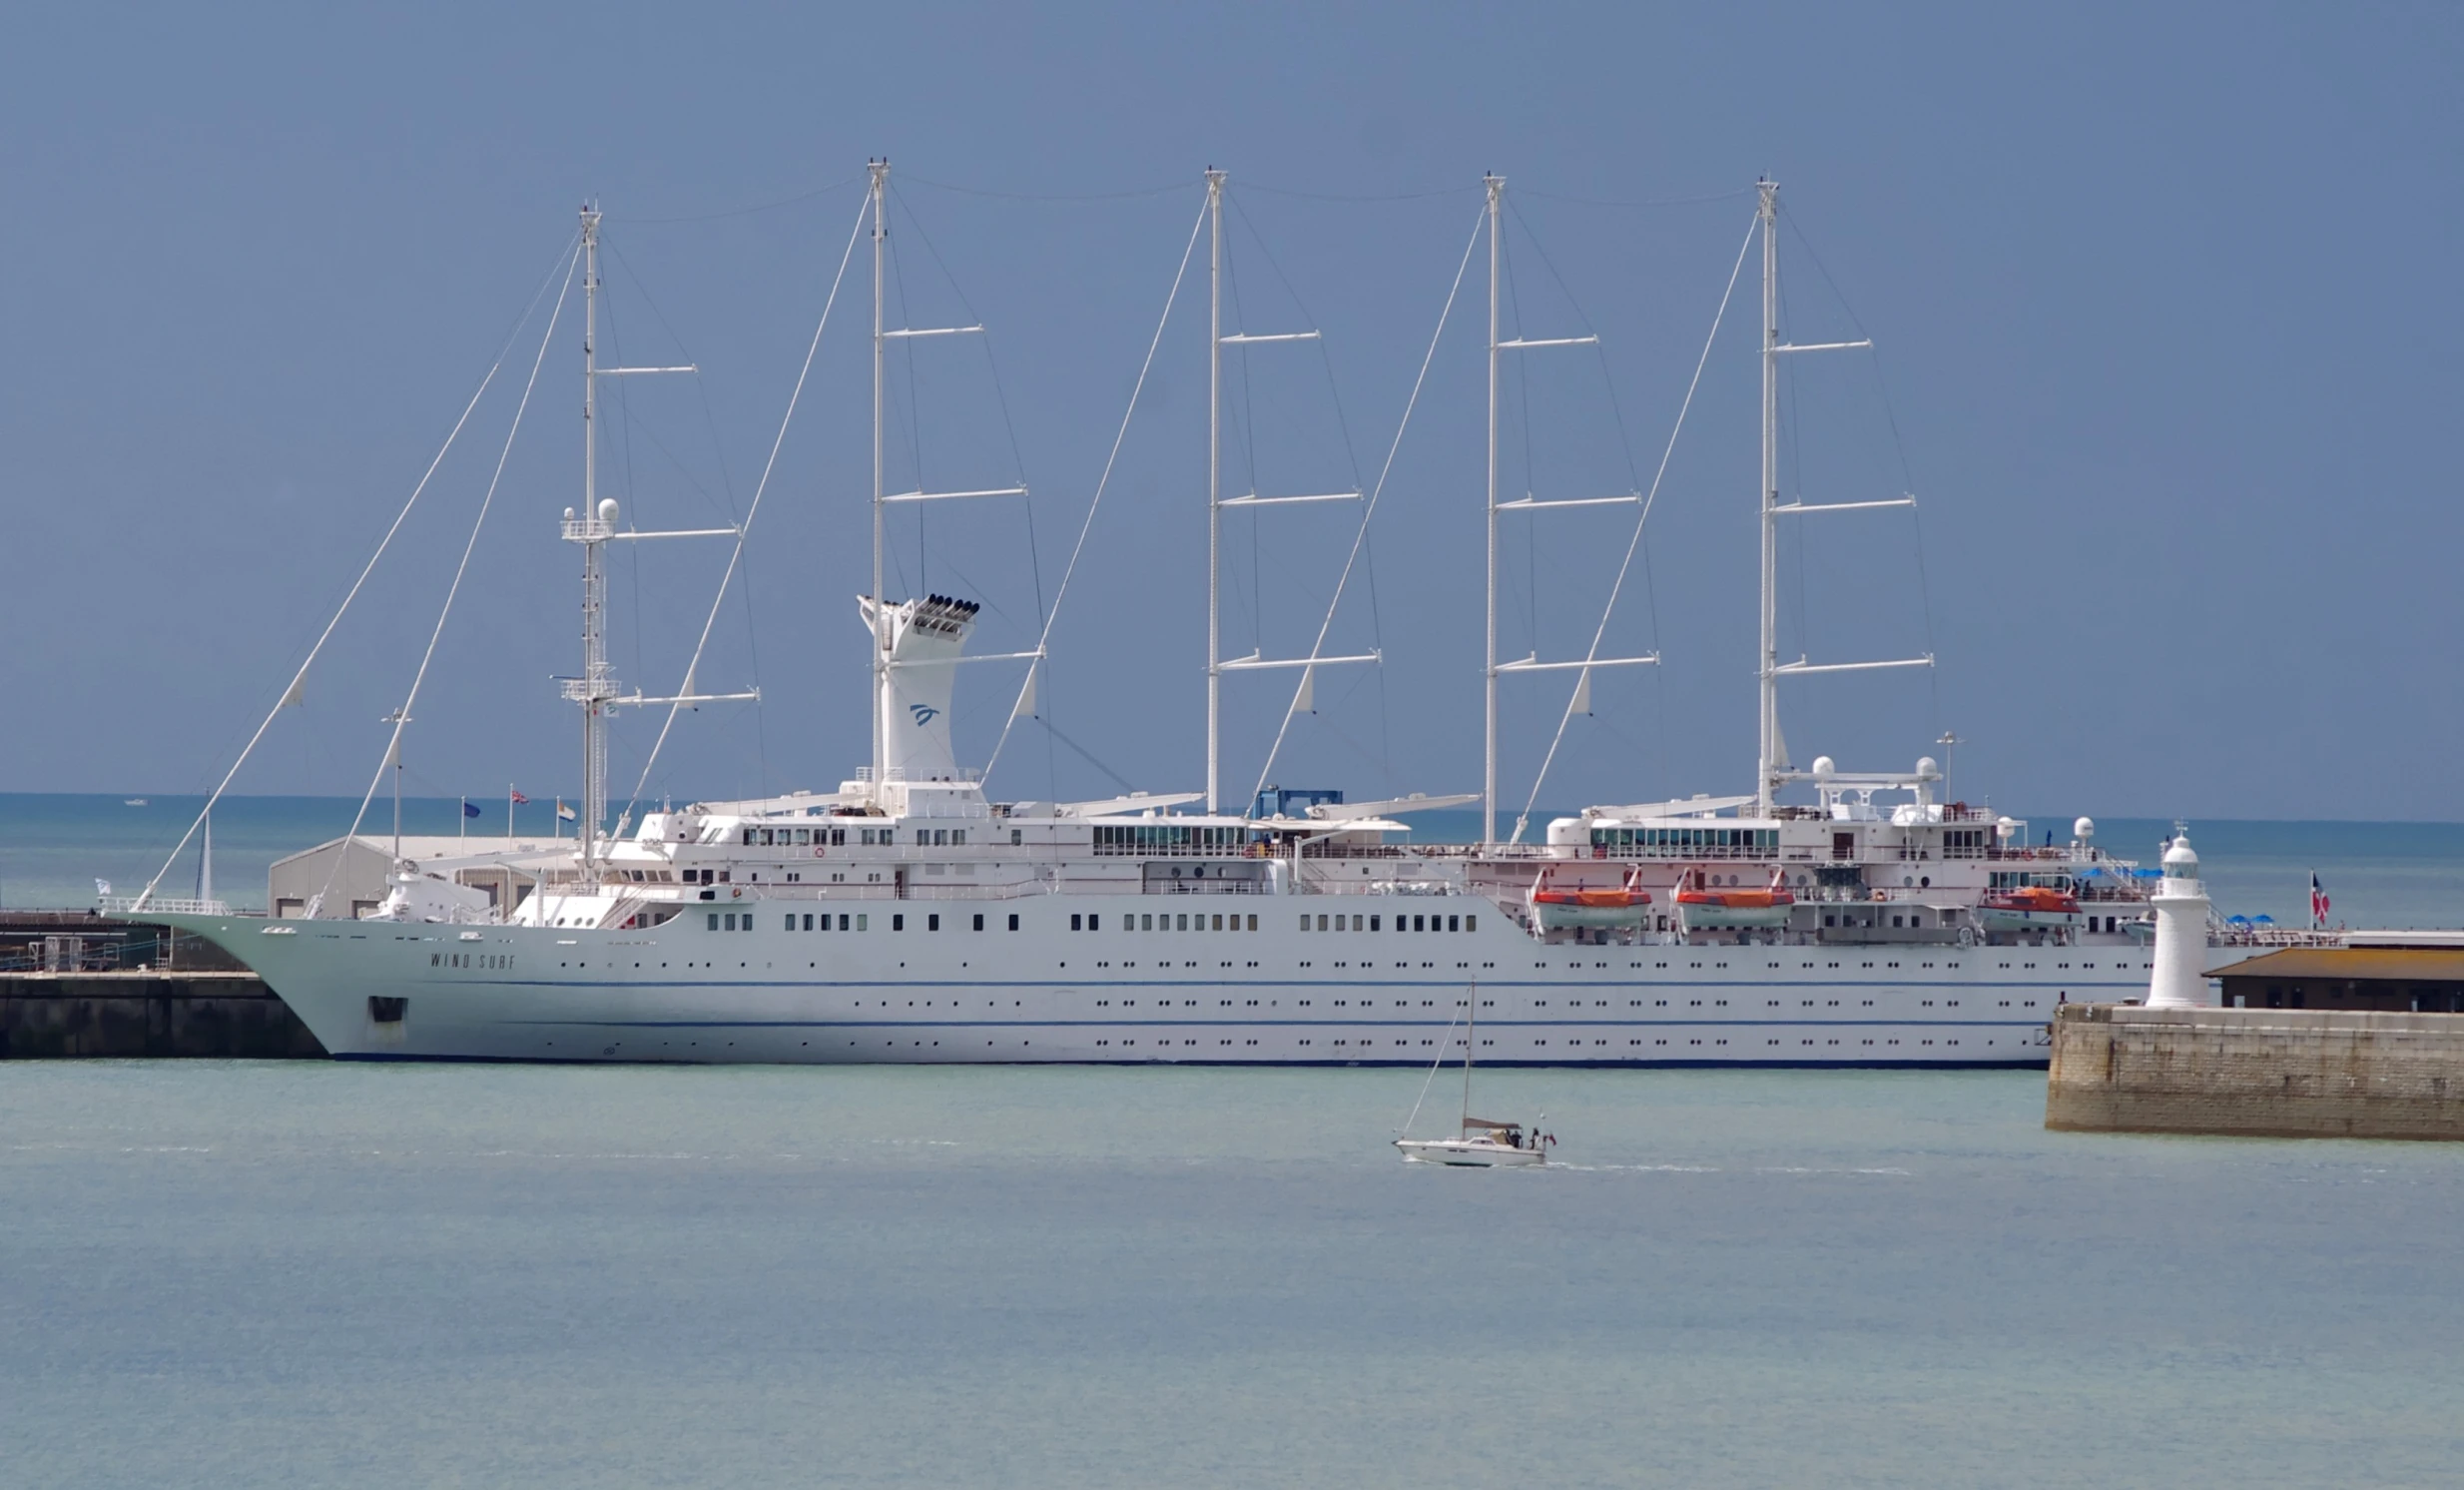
pixel 1479 1143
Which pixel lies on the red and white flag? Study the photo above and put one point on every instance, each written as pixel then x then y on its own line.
pixel 2318 903
pixel 515 796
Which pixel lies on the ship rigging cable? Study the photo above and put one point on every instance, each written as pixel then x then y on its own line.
pixel 744 529
pixel 1899 448
pixel 1523 819
pixel 300 677
pixel 1359 537
pixel 401 716
pixel 1001 398
pixel 1026 689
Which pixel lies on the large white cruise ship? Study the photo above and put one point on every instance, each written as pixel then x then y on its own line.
pixel 907 916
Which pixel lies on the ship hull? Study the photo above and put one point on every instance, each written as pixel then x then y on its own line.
pixel 679 992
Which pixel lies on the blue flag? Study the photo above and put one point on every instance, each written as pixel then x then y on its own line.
pixel 468 809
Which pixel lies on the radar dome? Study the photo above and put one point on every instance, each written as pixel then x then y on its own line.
pixel 1927 769
pixel 1823 765
pixel 607 510
pixel 2083 829
pixel 568 515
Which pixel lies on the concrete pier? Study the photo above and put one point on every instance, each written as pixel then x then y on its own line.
pixel 2277 1072
pixel 86 1015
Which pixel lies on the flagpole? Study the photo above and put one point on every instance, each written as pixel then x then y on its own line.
pixel 508 811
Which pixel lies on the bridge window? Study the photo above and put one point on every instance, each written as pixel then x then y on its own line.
pixel 1013 921
pixel 714 920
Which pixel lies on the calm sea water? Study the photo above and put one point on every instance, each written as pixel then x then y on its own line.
pixel 322 1275
pixel 54 846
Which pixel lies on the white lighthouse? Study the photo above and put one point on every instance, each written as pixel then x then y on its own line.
pixel 2180 905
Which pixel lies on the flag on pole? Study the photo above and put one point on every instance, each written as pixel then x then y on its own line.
pixel 514 796
pixel 2318 903
pixel 566 814
pixel 470 809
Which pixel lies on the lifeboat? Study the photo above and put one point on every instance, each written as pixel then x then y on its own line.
pixel 1730 908
pixel 1589 909
pixel 2029 908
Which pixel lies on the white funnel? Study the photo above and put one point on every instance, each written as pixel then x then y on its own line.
pixel 922 642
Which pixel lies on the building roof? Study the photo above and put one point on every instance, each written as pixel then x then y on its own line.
pixel 2355 964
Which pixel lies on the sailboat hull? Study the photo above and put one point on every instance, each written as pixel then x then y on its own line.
pixel 1468 1154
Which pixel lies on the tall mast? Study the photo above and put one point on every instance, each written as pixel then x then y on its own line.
pixel 880 635
pixel 1488 672
pixel 595 680
pixel 1767 659
pixel 1214 487
pixel 1771 768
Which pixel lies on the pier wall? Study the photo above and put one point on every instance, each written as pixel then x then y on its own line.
pixel 2279 1073
pixel 69 1015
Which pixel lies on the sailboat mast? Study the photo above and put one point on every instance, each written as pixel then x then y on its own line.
pixel 1470 1028
pixel 1488 672
pixel 880 641
pixel 1767 660
pixel 1214 487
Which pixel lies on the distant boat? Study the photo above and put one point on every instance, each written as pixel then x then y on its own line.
pixel 1479 1143
pixel 133 802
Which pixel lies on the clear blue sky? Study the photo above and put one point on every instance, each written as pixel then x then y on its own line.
pixel 2163 297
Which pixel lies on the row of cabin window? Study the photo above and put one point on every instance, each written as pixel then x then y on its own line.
pixel 1685 838
pixel 802 838
pixel 1417 922
pixel 762 838
pixel 862 921
pixel 1167 836
pixel 1164 921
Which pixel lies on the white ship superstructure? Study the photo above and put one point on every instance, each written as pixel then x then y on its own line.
pixel 909 915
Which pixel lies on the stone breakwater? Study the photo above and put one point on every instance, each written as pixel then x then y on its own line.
pixel 2275 1073
pixel 71 1016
